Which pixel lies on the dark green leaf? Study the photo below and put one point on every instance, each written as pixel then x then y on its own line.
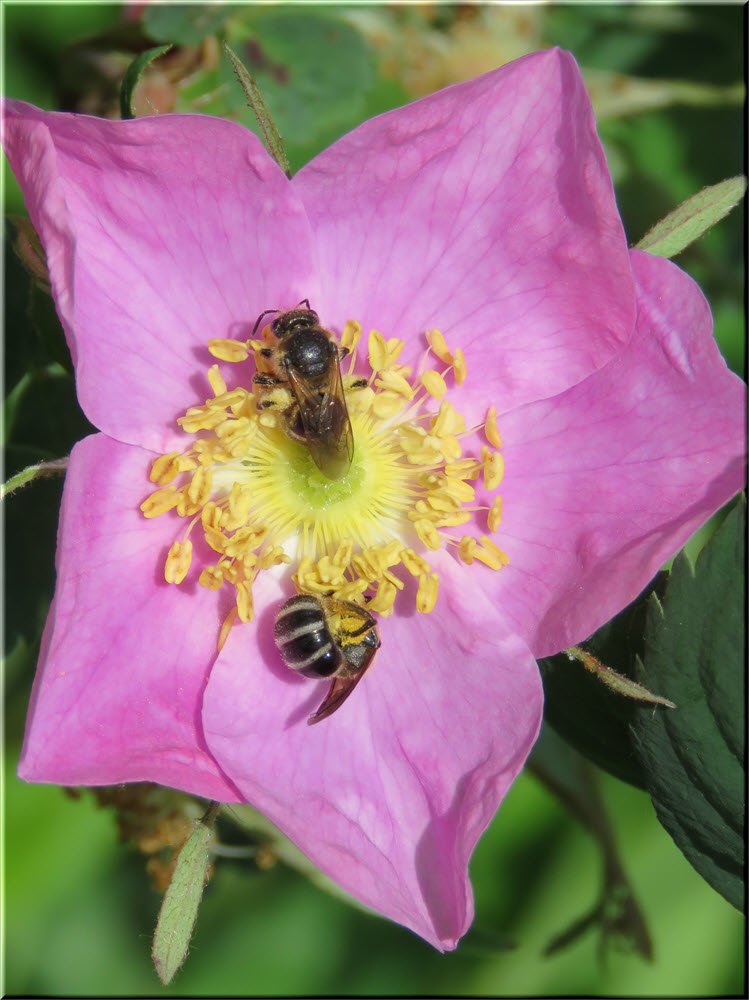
pixel 133 74
pixel 184 24
pixel 693 757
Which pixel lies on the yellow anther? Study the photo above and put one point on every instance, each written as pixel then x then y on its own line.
pixel 434 384
pixel 414 563
pixel 342 556
pixel 383 601
pixel 352 591
pixel 459 366
pixel 211 577
pixel 351 335
pixel 490 428
pixel 428 534
pixel 387 404
pixel 178 562
pixel 464 468
pixel 494 516
pixel 453 520
pixel 240 500
pixel 494 468
pixel 267 419
pixel 450 447
pixel 201 418
pixel 383 353
pixel 459 489
pixel 165 468
pixel 426 595
pixel 211 515
pixel 216 381
pixel 437 342
pixel 200 486
pixel 439 501
pixel 490 554
pixel 161 501
pixel 228 350
pixel 215 538
pixel 243 541
pixel 393 382
pixel 447 421
pixel 467 549
pixel 245 604
pixel 231 397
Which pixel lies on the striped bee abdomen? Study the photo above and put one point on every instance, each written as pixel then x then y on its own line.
pixel 304 640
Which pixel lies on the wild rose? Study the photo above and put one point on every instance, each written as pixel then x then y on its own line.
pixel 546 420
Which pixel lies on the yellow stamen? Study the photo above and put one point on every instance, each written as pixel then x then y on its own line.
pixel 490 428
pixel 178 562
pixel 494 517
pixel 434 384
pixel 437 342
pixel 426 596
pixel 229 350
pixel 216 381
pixel 494 468
pixel 459 367
pixel 260 502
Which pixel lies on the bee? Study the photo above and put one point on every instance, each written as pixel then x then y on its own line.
pixel 305 384
pixel 324 637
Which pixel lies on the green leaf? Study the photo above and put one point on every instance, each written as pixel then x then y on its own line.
pixel 179 910
pixel 185 24
pixel 271 135
pixel 694 757
pixel 132 76
pixel 693 218
pixel 314 70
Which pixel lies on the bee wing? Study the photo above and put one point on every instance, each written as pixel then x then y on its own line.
pixel 338 692
pixel 325 419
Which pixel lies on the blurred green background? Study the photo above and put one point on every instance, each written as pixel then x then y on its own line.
pixel 80 911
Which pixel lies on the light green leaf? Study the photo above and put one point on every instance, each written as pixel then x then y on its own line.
pixel 693 218
pixel 133 74
pixel 179 910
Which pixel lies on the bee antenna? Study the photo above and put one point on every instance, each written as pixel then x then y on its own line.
pixel 260 317
pixel 305 302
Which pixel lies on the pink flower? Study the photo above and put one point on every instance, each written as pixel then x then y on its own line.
pixel 485 211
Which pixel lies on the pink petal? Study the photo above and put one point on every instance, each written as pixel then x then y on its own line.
pixel 485 210
pixel 608 480
pixel 160 234
pixel 389 795
pixel 125 655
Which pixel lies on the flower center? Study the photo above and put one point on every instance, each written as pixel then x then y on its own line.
pixel 260 500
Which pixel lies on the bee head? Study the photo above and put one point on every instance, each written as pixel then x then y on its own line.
pixel 292 320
